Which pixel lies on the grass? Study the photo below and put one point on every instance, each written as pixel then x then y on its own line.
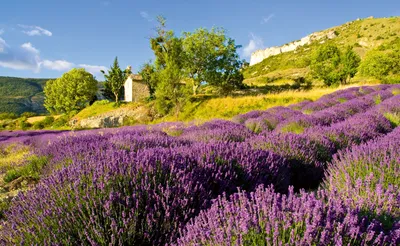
pixel 11 155
pixel 97 108
pixel 31 169
pixel 394 119
pixel 102 107
pixel 293 127
pixel 226 108
pixel 34 119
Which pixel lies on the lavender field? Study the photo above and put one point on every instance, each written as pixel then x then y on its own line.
pixel 314 173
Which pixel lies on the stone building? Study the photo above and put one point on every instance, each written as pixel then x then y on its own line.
pixel 135 88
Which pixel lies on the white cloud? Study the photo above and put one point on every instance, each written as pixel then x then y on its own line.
pixel 27 57
pixel 3 45
pixel 265 20
pixel 254 44
pixel 58 65
pixel 24 57
pixel 29 47
pixel 1 31
pixel 146 16
pixel 93 69
pixel 35 31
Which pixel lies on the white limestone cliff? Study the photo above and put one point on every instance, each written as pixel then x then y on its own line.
pixel 260 55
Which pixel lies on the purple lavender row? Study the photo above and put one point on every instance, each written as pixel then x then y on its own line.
pixel 264 217
pixel 108 194
pixel 369 175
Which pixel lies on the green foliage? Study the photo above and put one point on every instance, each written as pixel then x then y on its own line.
pixel 211 57
pixel 380 63
pixel 23 124
pixel 171 92
pixel 351 62
pixel 61 121
pixel 115 80
pixel 293 127
pixel 163 43
pixel 394 119
pixel 32 169
pixel 73 91
pixel 330 65
pixel 149 75
pixel 4 116
pixel 203 57
pixel 28 114
pixel 325 64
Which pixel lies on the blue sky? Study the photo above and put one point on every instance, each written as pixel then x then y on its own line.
pixel 45 38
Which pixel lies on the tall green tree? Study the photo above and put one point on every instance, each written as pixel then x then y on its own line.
pixel 150 77
pixel 211 57
pixel 325 64
pixel 163 44
pixel 172 93
pixel 350 61
pixel 115 79
pixel 72 91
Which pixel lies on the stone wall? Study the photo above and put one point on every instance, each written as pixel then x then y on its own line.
pixel 139 91
pixel 260 55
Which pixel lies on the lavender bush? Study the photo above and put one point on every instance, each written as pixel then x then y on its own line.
pixel 369 174
pixel 264 217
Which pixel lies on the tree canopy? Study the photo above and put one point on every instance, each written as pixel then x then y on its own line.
pixel 72 91
pixel 332 66
pixel 211 57
pixel 115 79
pixel 204 56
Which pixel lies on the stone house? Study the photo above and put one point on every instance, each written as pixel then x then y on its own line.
pixel 135 88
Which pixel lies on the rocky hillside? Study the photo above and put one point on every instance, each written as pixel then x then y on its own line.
pixel 294 57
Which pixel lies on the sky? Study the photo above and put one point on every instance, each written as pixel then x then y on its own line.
pixel 45 38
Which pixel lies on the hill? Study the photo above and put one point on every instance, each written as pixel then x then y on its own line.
pixel 18 95
pixel 363 34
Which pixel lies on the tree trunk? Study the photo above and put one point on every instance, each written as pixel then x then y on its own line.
pixel 195 87
pixel 116 98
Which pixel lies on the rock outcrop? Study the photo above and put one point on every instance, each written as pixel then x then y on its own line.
pixel 260 55
pixel 115 118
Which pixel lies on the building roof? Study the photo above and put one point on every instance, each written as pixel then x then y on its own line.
pixel 136 77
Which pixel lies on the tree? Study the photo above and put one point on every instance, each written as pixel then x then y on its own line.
pixel 149 75
pixel 163 43
pixel 115 79
pixel 351 62
pixel 171 92
pixel 380 64
pixel 325 64
pixel 211 57
pixel 73 91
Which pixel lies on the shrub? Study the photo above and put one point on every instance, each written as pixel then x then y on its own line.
pixel 307 156
pixel 5 116
pixel 31 169
pixel 48 120
pixel 267 218
pixel 61 121
pixel 368 174
pixel 38 125
pixel 28 114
